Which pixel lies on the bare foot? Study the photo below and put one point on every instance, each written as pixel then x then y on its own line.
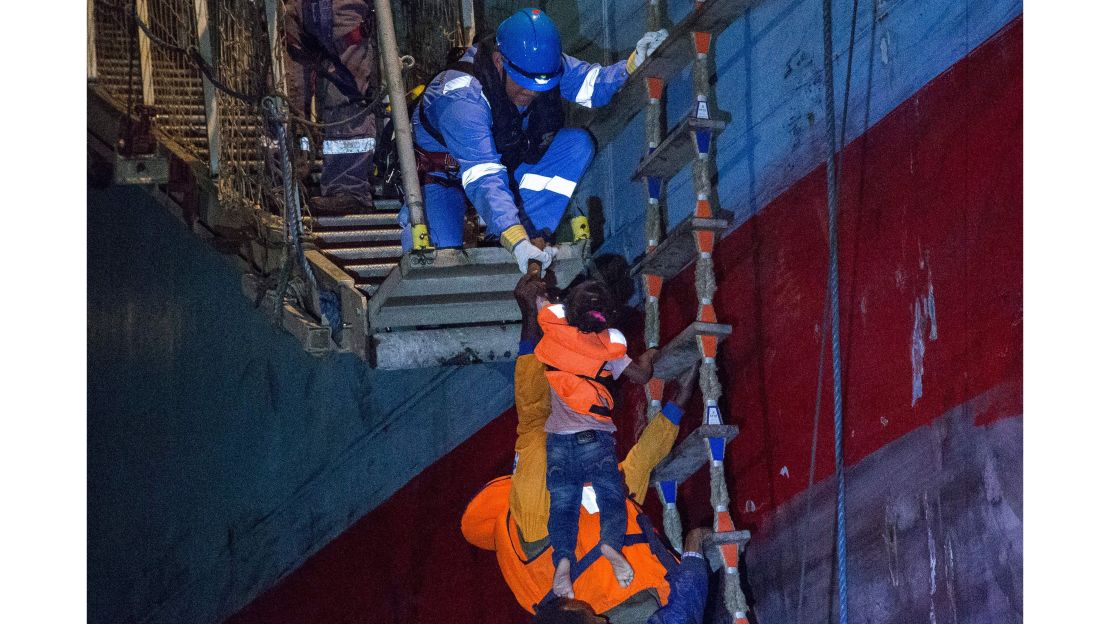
pixel 621 568
pixel 561 585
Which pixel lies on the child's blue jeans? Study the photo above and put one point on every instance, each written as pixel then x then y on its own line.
pixel 574 459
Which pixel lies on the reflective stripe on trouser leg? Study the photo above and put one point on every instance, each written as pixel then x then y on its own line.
pixel 444 209
pixel 348 147
pixel 546 187
pixel 348 152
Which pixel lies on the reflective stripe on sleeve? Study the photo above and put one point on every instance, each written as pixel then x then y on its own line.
pixel 585 95
pixel 349 146
pixel 479 171
pixel 456 83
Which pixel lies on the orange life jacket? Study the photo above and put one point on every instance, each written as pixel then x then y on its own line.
pixel 487 524
pixel 576 362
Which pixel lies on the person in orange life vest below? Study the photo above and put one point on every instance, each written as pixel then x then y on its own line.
pixel 509 516
pixel 584 355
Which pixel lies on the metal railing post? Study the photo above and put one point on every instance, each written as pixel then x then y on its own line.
pixel 90 50
pixel 468 26
pixel 146 63
pixel 211 108
pixel 402 128
pixel 277 46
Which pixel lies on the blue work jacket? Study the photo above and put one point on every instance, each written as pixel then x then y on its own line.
pixel 455 105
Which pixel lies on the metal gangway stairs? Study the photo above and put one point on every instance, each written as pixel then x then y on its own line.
pixel 204 78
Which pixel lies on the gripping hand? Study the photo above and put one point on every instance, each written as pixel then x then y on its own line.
pixel 644 47
pixel 525 251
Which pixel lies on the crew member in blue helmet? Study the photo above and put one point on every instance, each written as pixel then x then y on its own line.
pixel 490 128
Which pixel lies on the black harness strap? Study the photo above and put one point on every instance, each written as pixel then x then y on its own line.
pixel 658 548
pixel 596 408
pixel 598 378
pixel 601 410
pixel 579 567
pixel 647 536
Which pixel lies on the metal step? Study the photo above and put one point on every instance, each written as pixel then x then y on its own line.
pixel 728 537
pixel 241 141
pixel 463 309
pixel 368 220
pixel 174 97
pixel 162 68
pixel 691 454
pixel 677 149
pixel 362 254
pixel 461 280
pixel 458 286
pixel 369 288
pixel 180 76
pixel 446 346
pixel 188 109
pixel 682 352
pixel 679 247
pixel 238 120
pixel 177 75
pixel 182 131
pixel 370 270
pixel 671 57
pixel 181 86
pixel 386 205
pixel 459 271
pixel 713 540
pixel 340 237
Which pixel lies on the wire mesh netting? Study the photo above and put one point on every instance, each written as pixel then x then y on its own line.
pixel 179 92
pixel 117 51
pixel 428 30
pixel 242 61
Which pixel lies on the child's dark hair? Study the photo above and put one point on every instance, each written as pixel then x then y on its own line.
pixel 589 306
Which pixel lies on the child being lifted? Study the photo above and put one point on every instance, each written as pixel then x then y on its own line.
pixel 584 355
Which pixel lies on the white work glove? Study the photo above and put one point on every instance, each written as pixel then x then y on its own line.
pixel 525 251
pixel 644 47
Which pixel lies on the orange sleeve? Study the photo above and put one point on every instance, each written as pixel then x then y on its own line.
pixel 485 511
pixel 529 499
pixel 654 444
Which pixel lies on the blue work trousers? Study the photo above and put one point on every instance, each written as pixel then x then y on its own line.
pixel 545 190
pixel 573 460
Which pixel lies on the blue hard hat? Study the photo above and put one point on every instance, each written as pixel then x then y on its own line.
pixel 533 53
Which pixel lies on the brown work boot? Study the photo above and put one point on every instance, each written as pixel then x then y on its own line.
pixel 471 229
pixel 340 204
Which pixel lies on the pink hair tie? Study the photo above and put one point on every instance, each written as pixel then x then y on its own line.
pixel 597 315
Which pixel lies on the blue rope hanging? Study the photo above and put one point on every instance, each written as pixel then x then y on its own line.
pixel 834 314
